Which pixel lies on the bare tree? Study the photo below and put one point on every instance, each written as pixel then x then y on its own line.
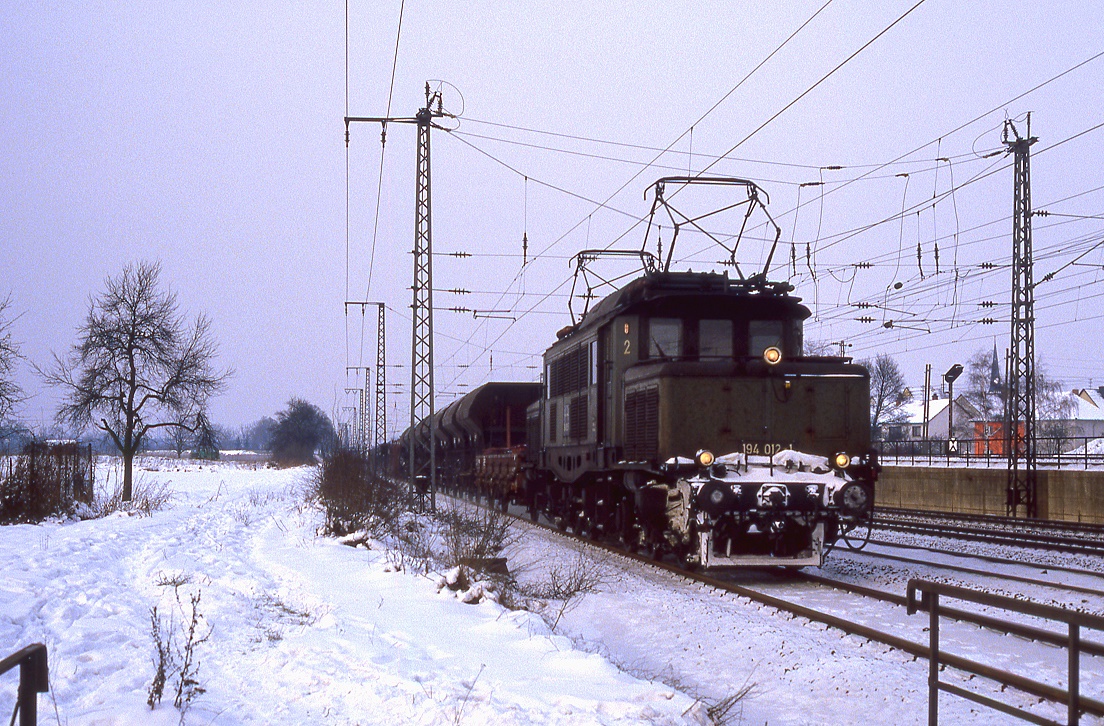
pixel 888 394
pixel 985 387
pixel 180 439
pixel 139 366
pixel 985 384
pixel 10 392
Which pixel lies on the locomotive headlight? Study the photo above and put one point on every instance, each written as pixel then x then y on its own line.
pixel 842 460
pixel 772 355
pixel 704 458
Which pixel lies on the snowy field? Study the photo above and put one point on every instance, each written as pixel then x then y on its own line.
pixel 302 629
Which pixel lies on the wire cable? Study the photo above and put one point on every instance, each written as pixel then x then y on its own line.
pixel 810 89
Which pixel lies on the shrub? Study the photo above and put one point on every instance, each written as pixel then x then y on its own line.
pixel 147 498
pixel 301 430
pixel 175 659
pixel 471 536
pixel 46 479
pixel 355 499
pixel 564 585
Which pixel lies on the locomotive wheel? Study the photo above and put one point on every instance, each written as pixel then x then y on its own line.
pixel 625 525
pixel 686 558
pixel 579 524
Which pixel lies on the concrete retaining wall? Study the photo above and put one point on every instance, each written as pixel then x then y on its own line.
pixel 1067 494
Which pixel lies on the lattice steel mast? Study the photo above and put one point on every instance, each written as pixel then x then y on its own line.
pixel 422 455
pixel 1020 401
pixel 380 437
pixel 361 427
pixel 373 443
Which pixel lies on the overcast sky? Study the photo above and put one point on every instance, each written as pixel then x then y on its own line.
pixel 209 137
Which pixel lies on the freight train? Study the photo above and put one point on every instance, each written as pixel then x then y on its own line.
pixel 679 416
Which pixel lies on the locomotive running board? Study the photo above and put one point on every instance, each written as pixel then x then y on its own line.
pixel 813 556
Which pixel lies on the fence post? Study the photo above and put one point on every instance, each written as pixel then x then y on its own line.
pixel 34 678
pixel 933 670
pixel 1074 673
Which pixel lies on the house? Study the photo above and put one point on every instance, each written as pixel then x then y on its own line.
pixel 1082 418
pixel 1086 414
pixel 938 420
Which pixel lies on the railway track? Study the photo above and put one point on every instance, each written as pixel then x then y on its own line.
pixel 1073 538
pixel 854 627
pixel 1050 567
pixel 995 520
pixel 1003 576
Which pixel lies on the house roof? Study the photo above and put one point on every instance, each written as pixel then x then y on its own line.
pixel 1088 405
pixel 914 410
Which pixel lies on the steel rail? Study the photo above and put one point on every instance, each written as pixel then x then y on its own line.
pixel 1057 544
pixel 919 650
pixel 984 573
pixel 985 558
pixel 1015 522
pixel 1029 632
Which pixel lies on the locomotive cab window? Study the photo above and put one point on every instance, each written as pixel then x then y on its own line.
pixel 664 338
pixel 763 334
pixel 715 339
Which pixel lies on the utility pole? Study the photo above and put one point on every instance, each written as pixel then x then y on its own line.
pixel 1022 461
pixel 927 397
pixel 950 377
pixel 381 393
pixel 346 435
pixel 422 451
pixel 376 442
pixel 365 412
pixel 358 422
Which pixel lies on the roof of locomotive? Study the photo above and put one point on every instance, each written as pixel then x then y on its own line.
pixel 762 298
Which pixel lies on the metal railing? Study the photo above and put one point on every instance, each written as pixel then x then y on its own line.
pixel 1059 451
pixel 929 601
pixel 34 678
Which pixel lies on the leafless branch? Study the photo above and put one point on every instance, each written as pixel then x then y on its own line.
pixel 138 364
pixel 10 393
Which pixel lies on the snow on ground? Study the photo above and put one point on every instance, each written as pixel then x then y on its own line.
pixel 306 630
pixel 303 629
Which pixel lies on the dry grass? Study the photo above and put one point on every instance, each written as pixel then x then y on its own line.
pixel 146 498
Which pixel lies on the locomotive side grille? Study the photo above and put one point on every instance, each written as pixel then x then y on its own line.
pixel 578 414
pixel 553 421
pixel 642 424
pixel 568 373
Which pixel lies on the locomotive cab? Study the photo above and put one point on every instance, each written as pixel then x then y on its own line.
pixel 675 363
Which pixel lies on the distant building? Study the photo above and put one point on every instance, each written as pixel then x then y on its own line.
pixel 1086 418
pixel 938 420
pixel 1083 419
